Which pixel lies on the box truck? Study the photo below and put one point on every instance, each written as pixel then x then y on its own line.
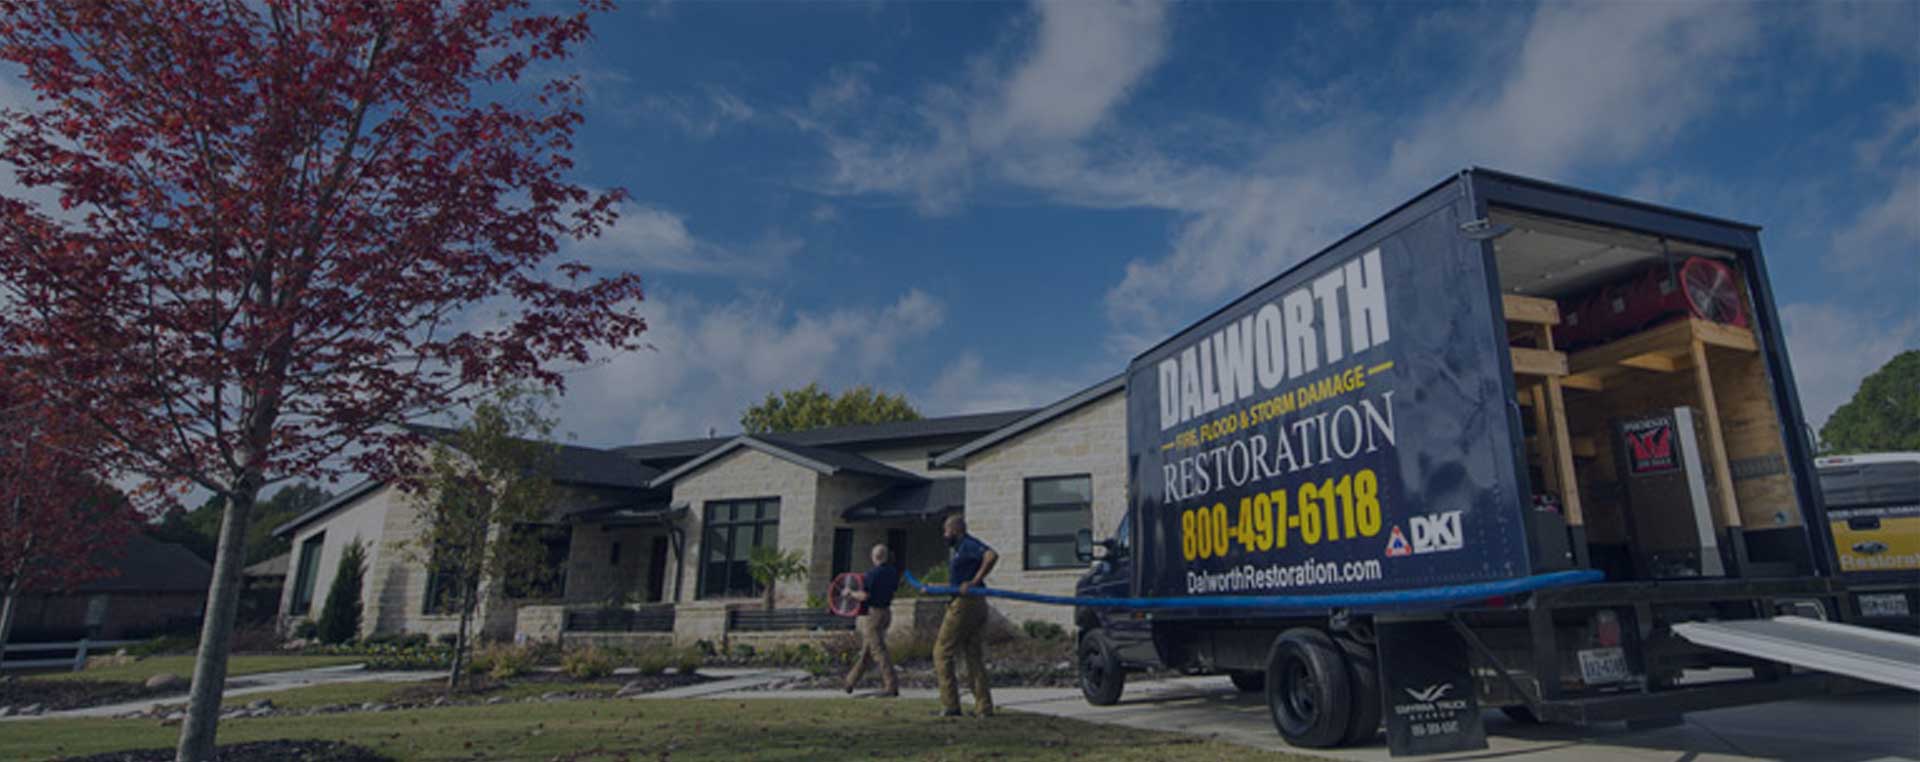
pixel 1332 477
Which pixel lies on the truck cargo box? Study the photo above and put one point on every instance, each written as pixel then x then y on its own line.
pixel 1394 411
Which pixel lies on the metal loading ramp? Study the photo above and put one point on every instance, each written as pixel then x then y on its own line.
pixel 1887 658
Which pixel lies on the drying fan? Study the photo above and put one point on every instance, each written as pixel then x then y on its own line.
pixel 839 602
pixel 1712 291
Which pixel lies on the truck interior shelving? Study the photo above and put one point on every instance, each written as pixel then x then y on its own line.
pixel 1571 395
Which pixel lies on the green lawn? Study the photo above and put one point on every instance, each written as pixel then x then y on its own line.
pixel 760 729
pixel 183 666
pixel 385 693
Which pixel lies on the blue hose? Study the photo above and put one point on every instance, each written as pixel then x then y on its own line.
pixel 1450 594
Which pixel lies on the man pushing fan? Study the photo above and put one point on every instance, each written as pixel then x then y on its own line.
pixel 869 596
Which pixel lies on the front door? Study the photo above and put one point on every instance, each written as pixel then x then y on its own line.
pixel 657 571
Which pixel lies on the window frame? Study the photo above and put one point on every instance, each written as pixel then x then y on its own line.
pixel 306 574
pixel 1027 506
pixel 766 534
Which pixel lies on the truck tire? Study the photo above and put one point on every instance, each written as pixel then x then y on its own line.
pixel 1309 690
pixel 1521 714
pixel 1248 682
pixel 1363 665
pixel 1101 677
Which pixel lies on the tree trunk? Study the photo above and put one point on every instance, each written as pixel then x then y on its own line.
pixel 6 617
pixel 769 596
pixel 468 598
pixel 216 630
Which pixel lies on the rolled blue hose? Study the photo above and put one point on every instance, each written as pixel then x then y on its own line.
pixel 1449 594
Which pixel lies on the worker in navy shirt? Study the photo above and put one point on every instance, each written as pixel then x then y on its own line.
pixel 876 615
pixel 963 632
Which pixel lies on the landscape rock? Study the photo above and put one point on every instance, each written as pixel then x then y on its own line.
pixel 166 681
pixel 6 711
pixel 555 696
pixel 32 709
pixel 258 704
pixel 497 700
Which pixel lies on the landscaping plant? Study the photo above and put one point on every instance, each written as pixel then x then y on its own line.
pixel 340 616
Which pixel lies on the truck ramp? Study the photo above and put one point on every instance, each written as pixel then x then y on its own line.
pixel 1888 658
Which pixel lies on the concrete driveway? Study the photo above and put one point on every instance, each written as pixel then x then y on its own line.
pixel 1855 728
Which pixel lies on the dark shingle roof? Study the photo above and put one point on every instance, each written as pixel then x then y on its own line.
pixel 911 501
pixel 147 565
pixel 1025 423
pixel 573 464
pixel 821 459
pixel 862 434
pixel 276 566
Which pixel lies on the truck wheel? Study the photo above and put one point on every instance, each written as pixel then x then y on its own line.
pixel 1363 666
pixel 1309 691
pixel 1101 678
pixel 1248 682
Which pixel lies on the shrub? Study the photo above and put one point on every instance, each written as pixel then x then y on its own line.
pixel 814 601
pixel 306 630
pixel 340 617
pixel 687 661
pixel 916 647
pixel 500 661
pixel 411 659
pixel 448 639
pixel 588 663
pixel 653 662
pixel 1043 630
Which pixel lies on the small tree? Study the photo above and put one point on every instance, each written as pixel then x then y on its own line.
pixel 769 565
pixel 340 617
pixel 58 524
pixel 811 407
pixel 482 485
pixel 1883 415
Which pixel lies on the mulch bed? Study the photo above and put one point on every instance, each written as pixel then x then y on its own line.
pixel 57 695
pixel 259 751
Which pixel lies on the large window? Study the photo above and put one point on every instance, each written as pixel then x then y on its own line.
pixel 309 569
pixel 842 551
pixel 1058 507
pixel 732 530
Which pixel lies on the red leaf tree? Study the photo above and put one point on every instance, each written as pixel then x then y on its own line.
pixel 285 226
pixel 60 524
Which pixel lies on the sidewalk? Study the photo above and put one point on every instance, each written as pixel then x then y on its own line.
pixel 246 685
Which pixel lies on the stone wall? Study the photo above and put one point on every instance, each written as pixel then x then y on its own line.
pixel 1090 440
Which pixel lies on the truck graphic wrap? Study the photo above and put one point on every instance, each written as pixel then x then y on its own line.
pixel 1339 429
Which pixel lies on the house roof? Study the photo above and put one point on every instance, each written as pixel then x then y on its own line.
pixel 320 511
pixel 841 436
pixel 147 565
pixel 276 566
pixel 958 455
pixel 820 459
pixel 911 501
pixel 574 464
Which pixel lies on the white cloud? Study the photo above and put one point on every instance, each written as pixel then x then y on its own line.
pixel 1883 232
pixel 707 362
pixel 648 239
pixel 701 116
pixel 1833 348
pixel 1085 59
pixel 1597 82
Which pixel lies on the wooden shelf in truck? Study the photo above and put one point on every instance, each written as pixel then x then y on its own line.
pixel 1540 372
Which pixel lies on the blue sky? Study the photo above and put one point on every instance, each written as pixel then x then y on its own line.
pixel 992 205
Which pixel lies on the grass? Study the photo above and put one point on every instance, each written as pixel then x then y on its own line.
pixel 182 665
pixel 685 731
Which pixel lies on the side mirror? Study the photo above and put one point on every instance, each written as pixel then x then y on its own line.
pixel 1083 545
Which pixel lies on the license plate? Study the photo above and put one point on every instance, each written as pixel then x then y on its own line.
pixel 1884 604
pixel 1601 666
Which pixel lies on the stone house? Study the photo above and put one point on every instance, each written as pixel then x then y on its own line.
pixel 652 540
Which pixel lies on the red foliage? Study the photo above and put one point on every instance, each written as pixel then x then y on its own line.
pixel 59 524
pixel 285 225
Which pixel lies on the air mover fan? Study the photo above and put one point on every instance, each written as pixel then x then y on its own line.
pixel 839 602
pixel 1703 289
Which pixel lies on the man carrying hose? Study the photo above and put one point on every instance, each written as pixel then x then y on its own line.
pixel 876 614
pixel 963 632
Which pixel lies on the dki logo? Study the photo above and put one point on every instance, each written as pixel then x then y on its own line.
pixel 1437 532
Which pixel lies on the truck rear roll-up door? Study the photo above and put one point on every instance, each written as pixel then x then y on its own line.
pixel 1874 655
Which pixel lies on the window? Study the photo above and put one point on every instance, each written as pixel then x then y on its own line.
pixel 842 551
pixel 548 578
pixel 309 567
pixel 443 589
pixel 732 530
pixel 1057 509
pixel 897 544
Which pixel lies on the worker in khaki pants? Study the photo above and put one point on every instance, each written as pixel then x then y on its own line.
pixel 963 632
pixel 876 615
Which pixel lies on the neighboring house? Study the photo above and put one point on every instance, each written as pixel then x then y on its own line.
pixel 261 586
pixel 154 588
pixel 673 523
